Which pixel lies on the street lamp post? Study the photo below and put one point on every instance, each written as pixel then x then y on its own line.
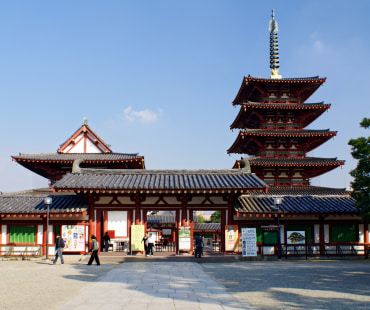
pixel 277 203
pixel 48 201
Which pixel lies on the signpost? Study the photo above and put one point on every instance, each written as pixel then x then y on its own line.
pixel 184 238
pixel 249 242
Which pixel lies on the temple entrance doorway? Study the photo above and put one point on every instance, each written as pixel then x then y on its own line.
pixel 162 225
pixel 208 225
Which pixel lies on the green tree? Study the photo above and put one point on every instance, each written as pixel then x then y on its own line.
pixel 361 174
pixel 201 219
pixel 216 217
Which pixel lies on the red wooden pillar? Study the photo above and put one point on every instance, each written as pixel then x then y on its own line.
pixel 137 210
pixel 130 217
pixel 98 220
pixel 223 223
pixel 321 235
pixel 366 232
pixel 44 234
pixel 184 218
pixel 191 222
pixel 91 221
pixel 105 221
pixel 177 230
pixel 145 220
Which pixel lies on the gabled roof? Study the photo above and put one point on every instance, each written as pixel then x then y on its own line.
pixel 159 180
pixel 85 134
pixel 308 204
pixel 70 157
pixel 54 166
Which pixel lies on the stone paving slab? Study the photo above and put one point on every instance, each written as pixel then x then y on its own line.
pixel 155 285
pixel 331 285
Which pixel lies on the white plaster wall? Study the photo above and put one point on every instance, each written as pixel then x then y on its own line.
pixel 91 148
pixel 316 233
pixel 50 240
pixel 4 232
pixel 268 250
pixel 361 233
pixel 117 220
pixel 40 238
pixel 326 233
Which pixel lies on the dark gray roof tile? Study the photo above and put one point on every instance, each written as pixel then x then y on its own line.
pixel 134 179
pixel 310 204
pixel 27 204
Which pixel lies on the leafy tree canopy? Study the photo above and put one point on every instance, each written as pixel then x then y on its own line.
pixel 361 174
pixel 216 217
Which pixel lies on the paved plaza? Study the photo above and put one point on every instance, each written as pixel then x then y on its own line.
pixel 150 283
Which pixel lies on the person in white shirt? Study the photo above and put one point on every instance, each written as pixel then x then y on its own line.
pixel 151 243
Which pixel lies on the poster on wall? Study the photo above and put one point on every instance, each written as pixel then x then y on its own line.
pixel 249 242
pixel 296 237
pixel 231 237
pixel 184 238
pixel 74 238
pixel 137 234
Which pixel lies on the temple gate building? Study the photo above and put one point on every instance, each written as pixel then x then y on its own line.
pixel 95 190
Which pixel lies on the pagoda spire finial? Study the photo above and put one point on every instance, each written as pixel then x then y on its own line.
pixel 274 48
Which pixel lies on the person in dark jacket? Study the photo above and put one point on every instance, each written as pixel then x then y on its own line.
pixel 59 245
pixel 94 251
pixel 145 240
pixel 106 239
pixel 199 246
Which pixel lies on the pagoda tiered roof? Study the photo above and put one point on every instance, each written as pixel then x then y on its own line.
pixel 256 88
pixel 308 139
pixel 307 112
pixel 314 166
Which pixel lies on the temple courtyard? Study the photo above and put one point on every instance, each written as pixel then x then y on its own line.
pixel 183 282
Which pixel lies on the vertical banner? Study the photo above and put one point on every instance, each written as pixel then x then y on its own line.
pixel 184 238
pixel 74 238
pixel 137 234
pixel 231 237
pixel 249 242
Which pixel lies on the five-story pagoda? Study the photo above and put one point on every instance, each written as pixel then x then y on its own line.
pixel 272 121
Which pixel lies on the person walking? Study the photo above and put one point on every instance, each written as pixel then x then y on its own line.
pixel 59 245
pixel 151 243
pixel 145 240
pixel 199 246
pixel 94 251
pixel 106 239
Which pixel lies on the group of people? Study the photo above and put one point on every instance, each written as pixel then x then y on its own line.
pixel 149 244
pixel 148 240
pixel 59 245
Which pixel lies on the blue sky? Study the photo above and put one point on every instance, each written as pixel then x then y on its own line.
pixel 159 77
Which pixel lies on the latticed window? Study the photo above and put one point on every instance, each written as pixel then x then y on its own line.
pixel 22 234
